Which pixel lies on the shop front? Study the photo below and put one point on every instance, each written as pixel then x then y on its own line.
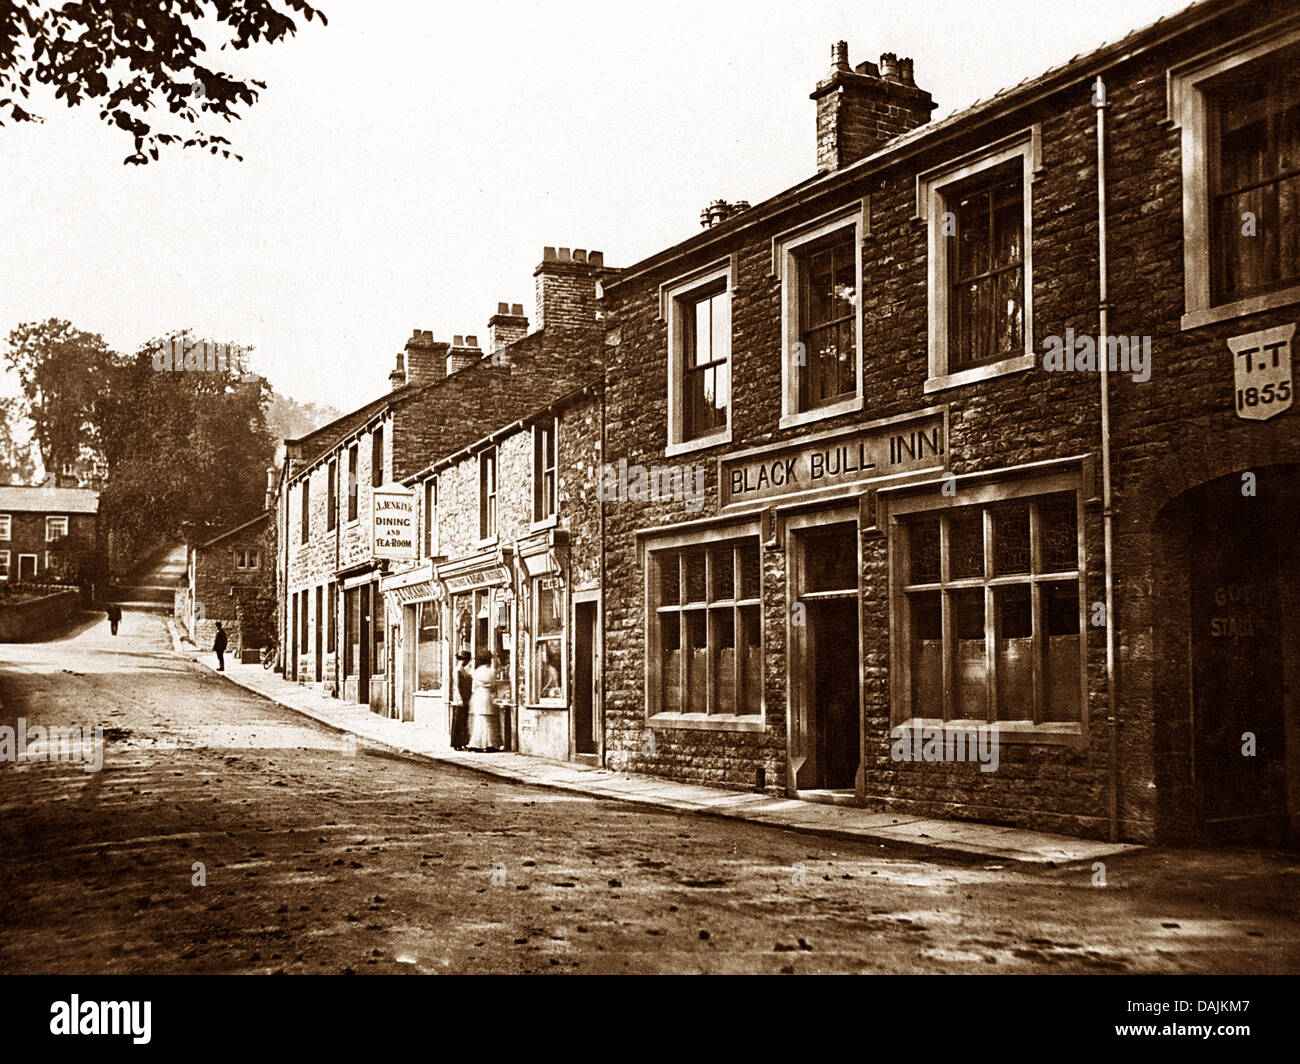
pixel 364 662
pixel 544 718
pixel 481 612
pixel 421 682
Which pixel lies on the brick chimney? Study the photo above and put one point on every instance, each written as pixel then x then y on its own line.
pixel 464 352
pixel 860 109
pixel 506 326
pixel 426 358
pixel 566 287
pixel 397 377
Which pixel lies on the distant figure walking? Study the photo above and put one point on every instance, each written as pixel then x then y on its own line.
pixel 485 736
pixel 219 645
pixel 460 702
pixel 114 617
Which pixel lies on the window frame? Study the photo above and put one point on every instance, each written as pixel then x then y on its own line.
pixel 332 496
pixel 5 564
pixel 6 526
pixel 979 492
pixel 675 297
pixel 247 559
pixel 429 512
pixel 50 536
pixel 354 482
pixel 488 511
pixel 377 457
pixel 654 715
pixel 789 249
pixel 549 429
pixel 304 506
pixel 934 189
pixel 1190 113
pixel 561 638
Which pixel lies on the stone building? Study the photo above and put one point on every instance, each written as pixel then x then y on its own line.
pixel 43 527
pixel 993 420
pixel 335 630
pixel 509 562
pixel 230 578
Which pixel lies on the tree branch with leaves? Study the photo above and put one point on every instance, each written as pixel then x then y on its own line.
pixel 135 58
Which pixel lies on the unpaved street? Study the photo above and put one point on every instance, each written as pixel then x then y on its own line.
pixel 317 861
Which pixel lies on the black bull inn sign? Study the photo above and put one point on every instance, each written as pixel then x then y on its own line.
pixel 890 448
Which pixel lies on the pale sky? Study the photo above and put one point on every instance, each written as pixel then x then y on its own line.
pixel 406 164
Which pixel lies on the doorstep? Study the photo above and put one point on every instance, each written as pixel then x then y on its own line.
pixel 957 838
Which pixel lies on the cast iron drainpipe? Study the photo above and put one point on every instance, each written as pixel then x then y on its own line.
pixel 1099 101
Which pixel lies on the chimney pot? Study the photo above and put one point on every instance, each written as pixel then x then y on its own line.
pixel 888 65
pixel 840 55
pixel 517 310
pixel 458 340
pixel 548 254
pixel 597 259
pixel 503 308
pixel 905 72
pixel 471 341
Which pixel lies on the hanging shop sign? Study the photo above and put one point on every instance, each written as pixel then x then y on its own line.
pixel 878 450
pixel 393 524
pixel 1261 367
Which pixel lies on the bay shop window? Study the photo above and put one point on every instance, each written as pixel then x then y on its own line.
pixel 988 613
pixel 704 631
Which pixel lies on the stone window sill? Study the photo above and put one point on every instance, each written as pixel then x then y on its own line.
pixel 707 722
pixel 805 417
pixel 1055 733
pixel 1017 364
pixel 1195 319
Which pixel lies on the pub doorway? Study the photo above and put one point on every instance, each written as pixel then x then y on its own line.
pixel 1242 642
pixel 825 665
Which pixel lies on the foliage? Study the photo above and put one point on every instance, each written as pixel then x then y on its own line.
pixel 186 453
pixel 17 465
pixel 134 56
pixel 288 419
pixel 62 371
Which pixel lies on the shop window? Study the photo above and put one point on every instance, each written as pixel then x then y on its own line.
pixel 980 263
pixel 55 528
pixel 352 482
pixel 991 612
pixel 332 506
pixel 706 630
pixel 431 652
pixel 544 482
pixel 1239 116
pixel 548 639
pixel 487 493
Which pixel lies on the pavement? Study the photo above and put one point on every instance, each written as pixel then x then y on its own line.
pixel 961 839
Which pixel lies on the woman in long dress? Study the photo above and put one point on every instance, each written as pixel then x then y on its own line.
pixel 485 729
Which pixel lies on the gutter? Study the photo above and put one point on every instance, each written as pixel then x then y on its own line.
pixel 1107 513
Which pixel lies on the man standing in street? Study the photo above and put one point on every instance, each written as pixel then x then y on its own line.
pixel 219 645
pixel 460 704
pixel 114 616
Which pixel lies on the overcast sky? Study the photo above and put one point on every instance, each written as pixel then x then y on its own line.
pixel 408 162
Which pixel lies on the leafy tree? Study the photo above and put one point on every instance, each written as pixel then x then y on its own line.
pixel 131 56
pixel 62 370
pixel 186 452
pixel 16 462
